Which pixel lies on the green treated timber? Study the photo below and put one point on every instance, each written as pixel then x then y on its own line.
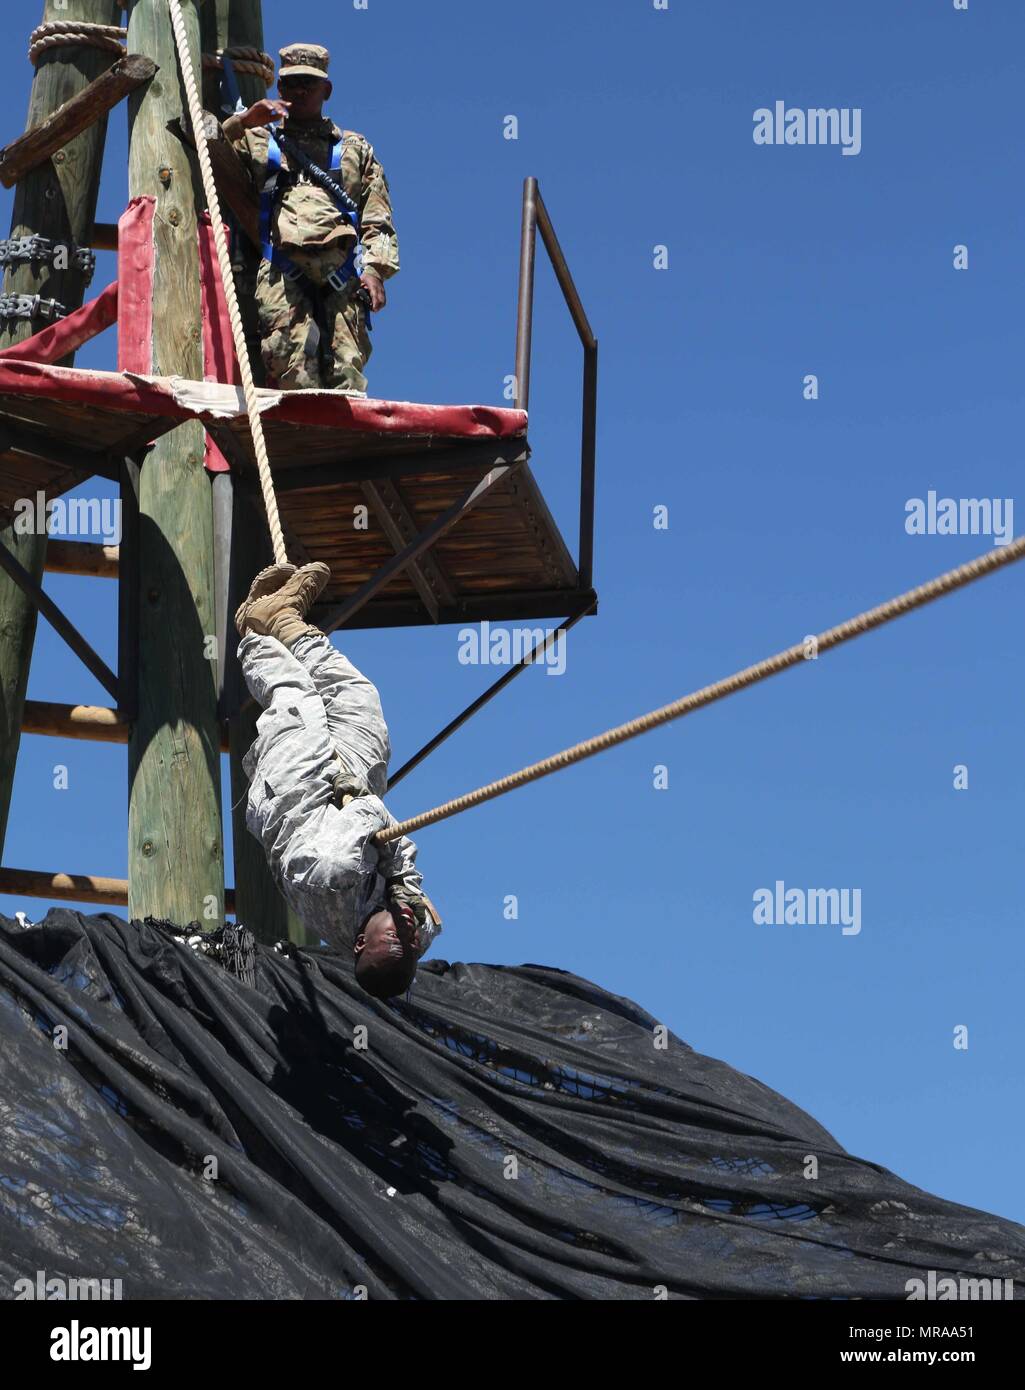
pixel 175 847
pixel 55 200
pixel 231 24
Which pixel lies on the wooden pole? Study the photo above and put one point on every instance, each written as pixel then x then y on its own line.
pixel 55 200
pixel 257 901
pixel 175 853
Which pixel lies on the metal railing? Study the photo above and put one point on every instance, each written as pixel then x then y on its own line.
pixel 535 216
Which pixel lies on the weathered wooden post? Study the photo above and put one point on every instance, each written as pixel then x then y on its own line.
pixel 239 24
pixel 175 853
pixel 57 201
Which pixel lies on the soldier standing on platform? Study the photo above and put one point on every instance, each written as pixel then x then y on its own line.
pixel 326 225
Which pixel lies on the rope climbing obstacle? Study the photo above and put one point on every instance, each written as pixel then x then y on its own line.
pixel 71 33
pixel 195 106
pixel 245 59
pixel 709 694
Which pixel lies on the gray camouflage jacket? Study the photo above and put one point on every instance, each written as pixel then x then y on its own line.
pixel 321 717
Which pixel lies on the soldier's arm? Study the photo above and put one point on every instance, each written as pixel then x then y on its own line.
pixel 237 136
pixel 237 127
pixel 377 228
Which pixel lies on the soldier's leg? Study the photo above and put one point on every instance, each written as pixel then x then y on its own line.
pixel 350 342
pixel 352 706
pixel 292 764
pixel 289 336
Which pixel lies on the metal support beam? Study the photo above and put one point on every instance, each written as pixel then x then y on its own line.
pixel 400 528
pixel 426 538
pixel 525 295
pixel 59 621
pixel 481 700
pixel 588 441
pixel 535 217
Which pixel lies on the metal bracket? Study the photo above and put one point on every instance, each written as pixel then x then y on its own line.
pixel 31 306
pixel 37 249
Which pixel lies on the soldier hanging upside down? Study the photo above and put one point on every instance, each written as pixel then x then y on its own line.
pixel 317 771
pixel 326 225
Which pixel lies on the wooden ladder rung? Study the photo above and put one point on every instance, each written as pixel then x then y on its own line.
pixel 78 888
pixel 82 557
pixel 95 723
pixel 75 721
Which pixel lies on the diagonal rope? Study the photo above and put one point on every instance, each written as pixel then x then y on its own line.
pixel 750 675
pixel 270 502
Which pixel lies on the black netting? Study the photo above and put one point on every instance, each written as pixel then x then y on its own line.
pixel 504 1133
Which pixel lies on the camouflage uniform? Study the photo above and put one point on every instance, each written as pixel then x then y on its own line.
pixel 321 718
pixel 311 231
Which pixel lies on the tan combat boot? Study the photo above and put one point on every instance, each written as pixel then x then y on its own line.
pixel 265 583
pixel 282 614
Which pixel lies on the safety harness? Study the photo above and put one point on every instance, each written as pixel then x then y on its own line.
pixel 276 184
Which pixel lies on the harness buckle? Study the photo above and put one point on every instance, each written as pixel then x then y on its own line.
pixel 337 280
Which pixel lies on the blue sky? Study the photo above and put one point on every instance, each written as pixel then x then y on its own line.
pixel 785 516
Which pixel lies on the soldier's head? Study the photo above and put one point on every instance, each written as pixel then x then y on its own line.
pixel 386 951
pixel 303 79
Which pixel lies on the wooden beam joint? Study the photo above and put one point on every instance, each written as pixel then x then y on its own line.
pixel 89 106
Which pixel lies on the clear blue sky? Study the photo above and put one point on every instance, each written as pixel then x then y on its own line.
pixel 786 515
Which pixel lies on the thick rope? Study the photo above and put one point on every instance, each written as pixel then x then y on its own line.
pixel 60 33
pixel 270 503
pixel 243 59
pixel 750 675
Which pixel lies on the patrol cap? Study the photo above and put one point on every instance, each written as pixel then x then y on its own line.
pixel 304 60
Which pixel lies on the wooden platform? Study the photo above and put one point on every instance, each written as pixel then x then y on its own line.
pixel 405 462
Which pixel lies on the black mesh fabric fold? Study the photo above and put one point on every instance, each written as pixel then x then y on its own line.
pixel 503 1133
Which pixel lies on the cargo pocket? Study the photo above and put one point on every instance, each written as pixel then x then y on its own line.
pixel 278 726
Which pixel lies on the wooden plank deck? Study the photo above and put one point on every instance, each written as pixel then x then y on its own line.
pixel 58 426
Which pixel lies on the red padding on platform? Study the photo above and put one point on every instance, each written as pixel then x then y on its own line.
pixel 135 279
pixel 327 409
pixel 219 362
pixel 67 336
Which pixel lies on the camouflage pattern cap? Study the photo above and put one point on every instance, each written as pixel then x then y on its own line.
pixel 304 59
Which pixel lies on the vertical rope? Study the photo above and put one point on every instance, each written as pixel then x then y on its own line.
pixel 270 502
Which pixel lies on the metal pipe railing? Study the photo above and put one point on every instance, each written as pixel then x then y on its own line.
pixel 535 217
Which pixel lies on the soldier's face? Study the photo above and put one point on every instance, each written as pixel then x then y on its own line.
pixel 307 95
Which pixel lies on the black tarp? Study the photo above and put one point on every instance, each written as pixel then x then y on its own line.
pixel 503 1133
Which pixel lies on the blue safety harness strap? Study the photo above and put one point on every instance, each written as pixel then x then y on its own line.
pixel 268 199
pixel 229 86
